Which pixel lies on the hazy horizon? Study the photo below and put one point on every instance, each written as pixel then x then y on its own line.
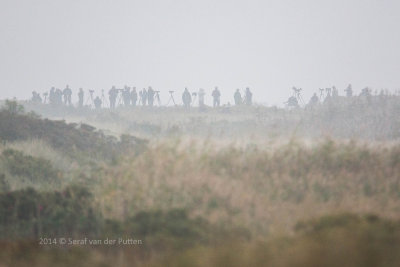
pixel 268 46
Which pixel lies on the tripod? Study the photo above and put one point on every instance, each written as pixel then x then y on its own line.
pixel 321 93
pixel 103 99
pixel 45 97
pixel 157 97
pixel 171 98
pixel 297 95
pixel 119 98
pixel 194 98
pixel 90 98
pixel 328 91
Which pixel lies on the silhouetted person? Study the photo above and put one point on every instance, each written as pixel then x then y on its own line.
pixel 186 98
pixel 52 96
pixel 97 102
pixel 126 96
pixel 248 98
pixel 216 94
pixel 46 97
pixel 150 96
pixel 314 100
pixel 144 97
pixel 134 96
pixel 238 98
pixel 112 95
pixel 58 96
pixel 36 98
pixel 335 92
pixel 81 96
pixel 349 91
pixel 365 92
pixel 201 97
pixel 67 92
pixel 328 97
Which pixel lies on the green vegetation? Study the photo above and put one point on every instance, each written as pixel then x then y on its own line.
pixel 36 169
pixel 13 107
pixel 30 214
pixel 71 138
pixel 340 240
pixel 195 202
pixel 262 190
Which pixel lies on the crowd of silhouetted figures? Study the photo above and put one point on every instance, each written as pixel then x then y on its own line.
pixel 331 94
pixel 130 97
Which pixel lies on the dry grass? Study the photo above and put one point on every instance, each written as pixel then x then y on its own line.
pixel 237 169
pixel 39 148
pixel 267 191
pixel 67 168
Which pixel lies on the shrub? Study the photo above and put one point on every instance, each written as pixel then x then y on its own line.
pixel 4 186
pixel 13 107
pixel 68 138
pixel 337 240
pixel 31 214
pixel 36 169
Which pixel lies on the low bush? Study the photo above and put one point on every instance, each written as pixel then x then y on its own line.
pixel 343 240
pixel 31 214
pixel 36 169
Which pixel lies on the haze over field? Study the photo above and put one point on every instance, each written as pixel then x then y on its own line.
pixel 267 45
pixel 187 182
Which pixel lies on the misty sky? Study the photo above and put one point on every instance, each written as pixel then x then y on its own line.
pixel 267 45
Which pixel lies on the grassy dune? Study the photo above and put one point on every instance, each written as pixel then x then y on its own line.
pixel 221 188
pixel 256 188
pixel 373 119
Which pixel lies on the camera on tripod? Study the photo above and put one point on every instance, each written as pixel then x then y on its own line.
pixel 297 90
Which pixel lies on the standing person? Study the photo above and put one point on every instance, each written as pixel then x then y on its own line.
pixel 52 96
pixel 81 95
pixel 248 97
pixel 126 95
pixel 150 96
pixel 58 96
pixel 238 98
pixel 335 92
pixel 201 97
pixel 36 98
pixel 365 92
pixel 314 100
pixel 67 92
pixel 134 96
pixel 216 94
pixel 112 95
pixel 144 97
pixel 349 91
pixel 186 98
